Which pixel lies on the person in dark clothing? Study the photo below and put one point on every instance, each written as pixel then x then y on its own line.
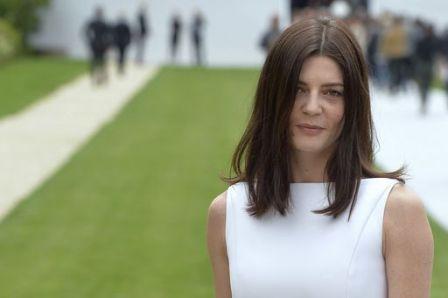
pixel 426 49
pixel 98 38
pixel 270 36
pixel 443 44
pixel 141 34
pixel 443 51
pixel 197 37
pixel 122 39
pixel 372 50
pixel 176 27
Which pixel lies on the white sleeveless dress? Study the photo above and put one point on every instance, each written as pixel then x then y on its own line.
pixel 304 254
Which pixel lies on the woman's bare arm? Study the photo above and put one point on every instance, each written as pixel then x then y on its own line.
pixel 216 242
pixel 408 245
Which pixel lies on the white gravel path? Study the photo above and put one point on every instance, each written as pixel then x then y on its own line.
pixel 419 141
pixel 37 141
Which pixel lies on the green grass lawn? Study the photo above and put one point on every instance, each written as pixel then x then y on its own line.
pixel 440 273
pixel 26 79
pixel 126 217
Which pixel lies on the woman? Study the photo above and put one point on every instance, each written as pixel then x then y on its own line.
pixel 306 214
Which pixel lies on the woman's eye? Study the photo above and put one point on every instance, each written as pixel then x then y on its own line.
pixel 300 90
pixel 334 93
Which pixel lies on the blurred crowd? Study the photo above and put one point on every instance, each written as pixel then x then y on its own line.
pixel 103 37
pixel 401 51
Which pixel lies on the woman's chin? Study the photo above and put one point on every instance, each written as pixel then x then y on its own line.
pixel 308 148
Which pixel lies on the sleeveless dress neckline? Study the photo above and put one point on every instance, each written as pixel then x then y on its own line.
pixel 325 182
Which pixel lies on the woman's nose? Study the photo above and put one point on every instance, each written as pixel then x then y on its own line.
pixel 312 104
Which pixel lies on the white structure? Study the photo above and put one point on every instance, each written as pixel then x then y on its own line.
pixel 232 32
pixel 232 28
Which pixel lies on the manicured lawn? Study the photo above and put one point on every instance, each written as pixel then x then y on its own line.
pixel 440 273
pixel 126 217
pixel 24 80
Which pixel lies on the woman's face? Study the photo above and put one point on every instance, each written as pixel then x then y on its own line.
pixel 319 103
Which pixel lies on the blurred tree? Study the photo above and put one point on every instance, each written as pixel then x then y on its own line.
pixel 22 14
pixel 9 40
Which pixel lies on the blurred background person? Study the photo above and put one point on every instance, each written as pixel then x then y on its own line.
pixel 373 33
pixel 394 47
pixel 175 31
pixel 443 72
pixel 270 36
pixel 309 8
pixel 141 33
pixel 122 39
pixel 98 38
pixel 425 52
pixel 298 9
pixel 443 66
pixel 357 24
pixel 197 32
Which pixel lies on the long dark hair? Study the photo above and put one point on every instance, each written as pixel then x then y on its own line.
pixel 262 157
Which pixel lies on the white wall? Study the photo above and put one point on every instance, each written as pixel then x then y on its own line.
pixel 232 32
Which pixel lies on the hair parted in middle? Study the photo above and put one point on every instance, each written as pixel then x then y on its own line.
pixel 263 156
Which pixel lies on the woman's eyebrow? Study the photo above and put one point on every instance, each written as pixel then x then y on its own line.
pixel 326 84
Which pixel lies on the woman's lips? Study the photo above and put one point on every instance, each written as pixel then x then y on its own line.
pixel 310 131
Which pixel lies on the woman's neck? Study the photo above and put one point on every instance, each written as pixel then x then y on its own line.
pixel 309 167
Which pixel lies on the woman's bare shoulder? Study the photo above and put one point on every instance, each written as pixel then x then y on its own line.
pixel 217 245
pixel 404 203
pixel 217 208
pixel 217 221
pixel 403 211
pixel 216 226
pixel 408 245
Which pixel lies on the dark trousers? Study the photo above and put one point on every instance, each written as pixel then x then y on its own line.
pixel 424 76
pixel 198 53
pixel 397 72
pixel 174 45
pixel 97 65
pixel 140 43
pixel 121 57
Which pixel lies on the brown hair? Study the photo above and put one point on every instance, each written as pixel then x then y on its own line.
pixel 264 145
